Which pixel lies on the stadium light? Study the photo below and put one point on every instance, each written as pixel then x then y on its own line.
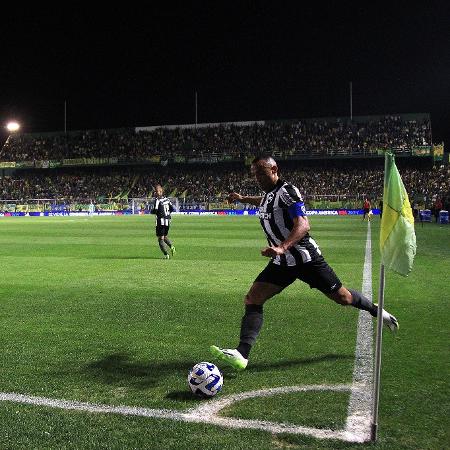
pixel 12 127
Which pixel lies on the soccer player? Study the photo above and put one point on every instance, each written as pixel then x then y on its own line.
pixel 366 208
pixel 91 208
pixel 294 255
pixel 162 208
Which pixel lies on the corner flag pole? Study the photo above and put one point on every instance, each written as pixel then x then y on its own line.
pixel 377 374
pixel 397 248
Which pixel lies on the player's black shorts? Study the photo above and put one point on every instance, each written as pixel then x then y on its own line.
pixel 162 230
pixel 318 274
pixel 366 210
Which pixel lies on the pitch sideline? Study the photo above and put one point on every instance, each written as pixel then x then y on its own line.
pixel 357 427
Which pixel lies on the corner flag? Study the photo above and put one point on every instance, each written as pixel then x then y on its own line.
pixel 397 237
pixel 398 248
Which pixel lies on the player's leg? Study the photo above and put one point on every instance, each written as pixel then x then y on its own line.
pixel 163 246
pixel 251 325
pixel 351 297
pixel 321 276
pixel 252 320
pixel 271 281
pixel 168 241
pixel 172 247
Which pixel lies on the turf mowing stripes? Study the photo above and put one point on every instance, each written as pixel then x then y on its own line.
pixel 357 427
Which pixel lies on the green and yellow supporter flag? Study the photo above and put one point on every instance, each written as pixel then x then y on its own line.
pixel 397 236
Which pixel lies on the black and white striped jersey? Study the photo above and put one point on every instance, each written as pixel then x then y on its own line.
pixel 276 220
pixel 162 208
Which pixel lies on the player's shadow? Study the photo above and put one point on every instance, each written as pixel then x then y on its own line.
pixel 119 368
pixel 288 363
pixel 183 396
pixel 121 257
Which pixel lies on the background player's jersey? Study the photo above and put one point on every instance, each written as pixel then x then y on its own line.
pixel 162 208
pixel 277 224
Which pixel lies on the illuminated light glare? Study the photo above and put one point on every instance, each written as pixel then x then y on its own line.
pixel 12 126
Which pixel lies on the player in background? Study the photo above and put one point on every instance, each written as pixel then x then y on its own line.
pixel 366 209
pixel 437 208
pixel 293 255
pixel 163 208
pixel 91 208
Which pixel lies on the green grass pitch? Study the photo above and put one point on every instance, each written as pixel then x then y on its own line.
pixel 90 312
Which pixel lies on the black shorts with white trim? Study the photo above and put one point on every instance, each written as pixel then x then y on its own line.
pixel 317 273
pixel 162 230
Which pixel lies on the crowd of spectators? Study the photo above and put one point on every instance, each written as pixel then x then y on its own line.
pixel 211 183
pixel 314 137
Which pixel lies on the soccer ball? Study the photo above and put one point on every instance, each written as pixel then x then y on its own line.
pixel 205 380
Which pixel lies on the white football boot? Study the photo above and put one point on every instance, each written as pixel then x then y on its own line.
pixel 390 321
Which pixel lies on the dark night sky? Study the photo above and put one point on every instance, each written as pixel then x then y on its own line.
pixel 142 66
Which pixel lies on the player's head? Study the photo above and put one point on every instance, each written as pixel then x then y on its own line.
pixel 265 170
pixel 158 190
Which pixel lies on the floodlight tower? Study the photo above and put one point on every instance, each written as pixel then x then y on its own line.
pixel 11 127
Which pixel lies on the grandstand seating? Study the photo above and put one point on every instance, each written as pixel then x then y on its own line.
pixel 232 141
pixel 209 184
pixel 122 163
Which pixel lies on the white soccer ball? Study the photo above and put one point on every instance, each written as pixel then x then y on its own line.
pixel 205 380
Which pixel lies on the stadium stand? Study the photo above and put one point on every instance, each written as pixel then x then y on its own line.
pixel 211 184
pixel 333 158
pixel 306 138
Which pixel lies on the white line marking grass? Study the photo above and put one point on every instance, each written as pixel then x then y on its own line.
pixel 208 412
pixel 360 405
pixel 357 427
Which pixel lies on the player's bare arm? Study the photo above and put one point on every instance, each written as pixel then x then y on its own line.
pixel 234 196
pixel 299 230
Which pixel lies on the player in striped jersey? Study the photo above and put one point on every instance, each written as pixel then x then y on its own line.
pixel 162 208
pixel 294 255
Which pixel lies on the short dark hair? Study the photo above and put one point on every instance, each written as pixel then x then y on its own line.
pixel 264 157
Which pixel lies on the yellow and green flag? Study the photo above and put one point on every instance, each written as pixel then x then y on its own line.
pixel 397 236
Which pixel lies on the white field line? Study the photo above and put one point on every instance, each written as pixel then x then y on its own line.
pixel 360 405
pixel 357 427
pixel 207 412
